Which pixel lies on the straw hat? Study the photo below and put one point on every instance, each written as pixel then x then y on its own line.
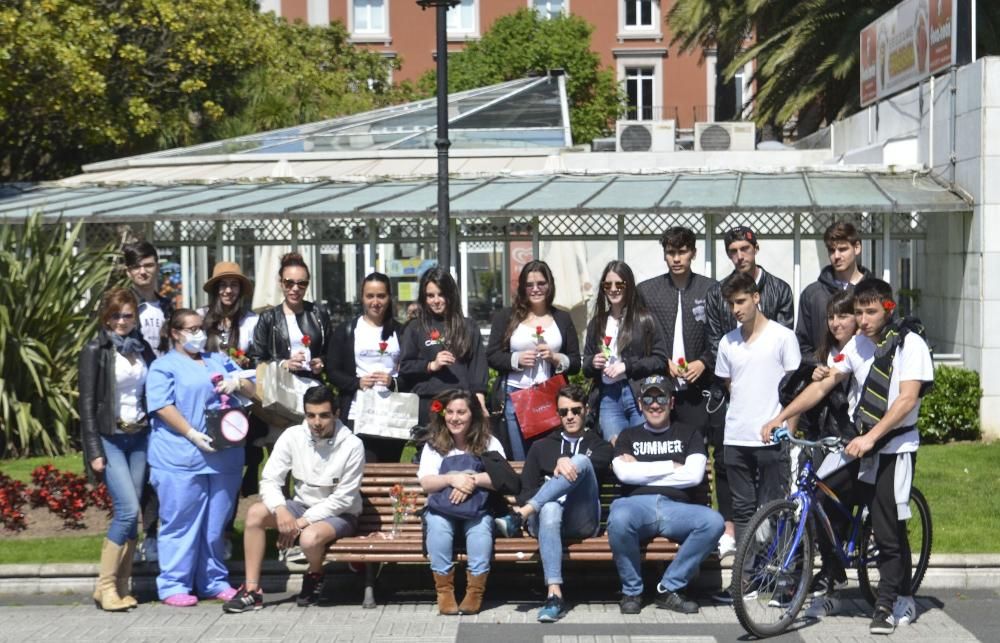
pixel 224 269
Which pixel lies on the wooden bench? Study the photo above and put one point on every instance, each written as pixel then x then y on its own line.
pixel 373 544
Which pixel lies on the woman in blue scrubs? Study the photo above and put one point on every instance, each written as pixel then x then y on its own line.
pixel 196 483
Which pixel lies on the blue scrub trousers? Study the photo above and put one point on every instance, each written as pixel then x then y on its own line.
pixel 194 509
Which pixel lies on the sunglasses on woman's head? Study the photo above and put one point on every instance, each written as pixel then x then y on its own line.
pixel 290 283
pixel 566 410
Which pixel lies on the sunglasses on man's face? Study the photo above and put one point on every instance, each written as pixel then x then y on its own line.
pixel 301 285
pixel 662 400
pixel 566 410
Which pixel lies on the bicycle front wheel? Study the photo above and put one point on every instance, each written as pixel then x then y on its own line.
pixel 772 569
pixel 920 536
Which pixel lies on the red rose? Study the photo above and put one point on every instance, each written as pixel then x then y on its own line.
pixel 681 363
pixel 539 330
pixel 839 357
pixel 306 340
pixel 382 346
pixel 889 305
pixel 437 406
pixel 607 340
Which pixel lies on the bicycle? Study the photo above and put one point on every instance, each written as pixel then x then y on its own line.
pixel 773 566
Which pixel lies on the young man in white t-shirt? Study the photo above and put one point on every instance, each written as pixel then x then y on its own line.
pixel 888 441
pixel 752 360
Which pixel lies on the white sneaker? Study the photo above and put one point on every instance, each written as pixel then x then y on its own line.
pixel 148 550
pixel 823 606
pixel 294 555
pixel 904 610
pixel 727 546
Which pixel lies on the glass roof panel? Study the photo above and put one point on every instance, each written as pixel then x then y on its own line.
pixel 840 191
pixel 290 196
pixel 562 194
pixel 779 192
pixel 495 195
pixel 916 192
pixel 702 191
pixel 355 200
pixel 636 193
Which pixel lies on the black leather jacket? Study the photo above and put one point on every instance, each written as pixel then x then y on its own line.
pixel 270 338
pixel 97 403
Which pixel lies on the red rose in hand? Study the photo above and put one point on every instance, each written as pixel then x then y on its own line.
pixel 607 340
pixel 889 305
pixel 382 346
pixel 306 340
pixel 437 407
pixel 682 364
pixel 839 358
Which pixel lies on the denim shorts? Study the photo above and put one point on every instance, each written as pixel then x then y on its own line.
pixel 345 524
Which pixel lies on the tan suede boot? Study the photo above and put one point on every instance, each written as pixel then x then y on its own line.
pixel 106 591
pixel 445 586
pixel 474 590
pixel 125 574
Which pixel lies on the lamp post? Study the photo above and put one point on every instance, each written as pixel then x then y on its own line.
pixel 442 143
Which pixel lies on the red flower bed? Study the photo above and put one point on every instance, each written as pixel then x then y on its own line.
pixel 13 495
pixel 67 494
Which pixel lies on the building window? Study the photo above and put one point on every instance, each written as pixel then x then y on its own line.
pixel 370 17
pixel 639 87
pixel 548 9
pixel 639 19
pixel 318 13
pixel 463 19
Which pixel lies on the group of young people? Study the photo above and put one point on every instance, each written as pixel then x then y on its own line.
pixel 677 365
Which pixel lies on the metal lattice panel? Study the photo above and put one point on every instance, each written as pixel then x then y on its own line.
pixel 255 231
pixel 495 229
pixel 579 225
pixel 765 224
pixel 101 234
pixel 410 229
pixel 653 225
pixel 908 225
pixel 326 231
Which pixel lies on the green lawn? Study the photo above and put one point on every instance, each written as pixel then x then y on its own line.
pixel 961 482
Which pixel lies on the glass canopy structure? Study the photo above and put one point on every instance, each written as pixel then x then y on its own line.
pixel 522 113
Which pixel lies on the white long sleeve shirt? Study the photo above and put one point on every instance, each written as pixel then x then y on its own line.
pixel 327 473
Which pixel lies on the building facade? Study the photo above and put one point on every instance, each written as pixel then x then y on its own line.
pixel 631 37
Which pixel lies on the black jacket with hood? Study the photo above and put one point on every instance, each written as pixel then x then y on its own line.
pixel 811 326
pixel 545 453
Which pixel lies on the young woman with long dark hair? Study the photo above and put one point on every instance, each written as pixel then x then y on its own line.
pixel 364 354
pixel 623 346
pixel 530 342
pixel 442 349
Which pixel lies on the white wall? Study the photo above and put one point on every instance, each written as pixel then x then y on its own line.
pixel 959 264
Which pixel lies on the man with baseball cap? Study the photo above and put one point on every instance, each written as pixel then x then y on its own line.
pixel 661 465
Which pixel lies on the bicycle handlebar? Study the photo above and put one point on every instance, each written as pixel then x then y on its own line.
pixel 830 443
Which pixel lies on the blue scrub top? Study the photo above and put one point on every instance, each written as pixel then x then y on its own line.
pixel 177 379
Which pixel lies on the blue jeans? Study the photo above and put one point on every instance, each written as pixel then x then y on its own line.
pixel 636 519
pixel 578 516
pixel 124 474
pixel 518 449
pixel 440 538
pixel 619 409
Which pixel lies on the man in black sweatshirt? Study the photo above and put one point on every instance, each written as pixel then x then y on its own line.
pixel 560 492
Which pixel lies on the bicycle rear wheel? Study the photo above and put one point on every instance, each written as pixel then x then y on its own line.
pixel 772 569
pixel 920 535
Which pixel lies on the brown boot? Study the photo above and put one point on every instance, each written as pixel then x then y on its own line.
pixel 125 573
pixel 445 586
pixel 474 590
pixel 106 591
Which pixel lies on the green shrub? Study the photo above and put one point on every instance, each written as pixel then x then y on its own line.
pixel 46 282
pixel 951 410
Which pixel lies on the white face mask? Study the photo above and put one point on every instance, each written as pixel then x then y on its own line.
pixel 195 342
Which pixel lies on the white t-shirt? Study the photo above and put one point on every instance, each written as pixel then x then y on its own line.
pixel 912 362
pixel 754 370
pixel 295 337
pixel 151 320
pixel 129 381
pixel 853 391
pixel 523 339
pixel 430 460
pixel 678 349
pixel 248 323
pixel 611 330
pixel 367 356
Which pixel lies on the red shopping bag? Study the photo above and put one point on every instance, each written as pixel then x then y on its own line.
pixel 535 407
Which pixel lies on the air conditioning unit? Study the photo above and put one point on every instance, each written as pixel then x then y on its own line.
pixel 645 136
pixel 724 137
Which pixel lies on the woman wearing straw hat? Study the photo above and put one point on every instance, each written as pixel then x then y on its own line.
pixel 229 324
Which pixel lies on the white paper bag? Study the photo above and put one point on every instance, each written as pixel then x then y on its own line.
pixel 385 414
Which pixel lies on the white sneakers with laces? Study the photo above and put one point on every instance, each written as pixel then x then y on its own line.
pixel 823 606
pixel 727 546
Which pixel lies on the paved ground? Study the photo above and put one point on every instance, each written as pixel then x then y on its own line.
pixel 945 615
